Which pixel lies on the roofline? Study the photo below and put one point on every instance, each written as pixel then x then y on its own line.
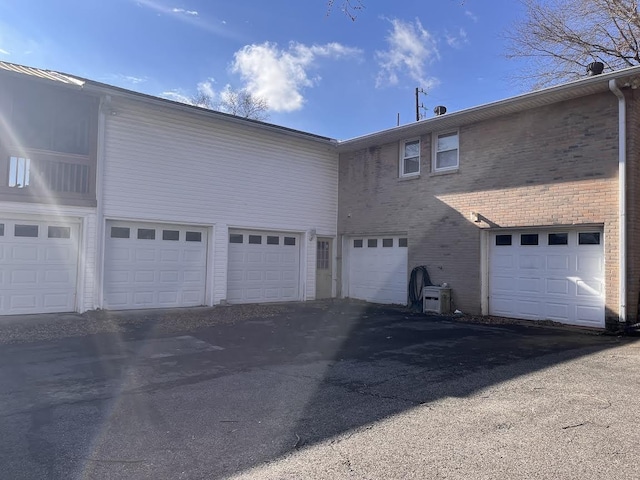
pixel 90 86
pixel 567 91
pixel 105 89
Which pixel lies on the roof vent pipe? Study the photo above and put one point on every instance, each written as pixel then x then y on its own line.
pixel 440 110
pixel 595 68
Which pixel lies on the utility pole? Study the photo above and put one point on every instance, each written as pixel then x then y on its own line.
pixel 418 104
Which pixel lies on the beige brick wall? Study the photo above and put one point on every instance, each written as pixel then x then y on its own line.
pixel 554 165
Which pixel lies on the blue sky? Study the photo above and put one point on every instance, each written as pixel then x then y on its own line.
pixel 323 74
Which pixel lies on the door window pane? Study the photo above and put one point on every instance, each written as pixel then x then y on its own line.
pixel 558 238
pixel 25 231
pixel 119 232
pixel 503 240
pixel 589 238
pixel 58 232
pixel 171 235
pixel 146 234
pixel 193 237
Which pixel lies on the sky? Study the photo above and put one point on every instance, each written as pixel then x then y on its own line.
pixel 318 70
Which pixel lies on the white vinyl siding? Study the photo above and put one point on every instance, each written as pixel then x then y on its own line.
pixel 170 166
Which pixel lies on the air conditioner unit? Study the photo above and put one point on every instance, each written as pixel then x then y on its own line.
pixel 436 299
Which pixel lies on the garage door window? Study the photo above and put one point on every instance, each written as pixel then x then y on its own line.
pixel 255 239
pixel 503 240
pixel 558 238
pixel 171 235
pixel 372 243
pixel 58 232
pixel 193 237
pixel 146 234
pixel 387 242
pixel 289 240
pixel 235 238
pixel 357 243
pixel 26 231
pixel 589 238
pixel 402 242
pixel 1 229
pixel 273 240
pixel 119 232
pixel 529 239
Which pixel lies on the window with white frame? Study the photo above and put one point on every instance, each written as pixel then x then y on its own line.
pixel 445 155
pixel 410 158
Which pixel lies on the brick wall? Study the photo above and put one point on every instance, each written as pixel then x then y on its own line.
pixel 554 165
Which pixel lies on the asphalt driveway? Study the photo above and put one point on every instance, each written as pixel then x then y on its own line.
pixel 315 390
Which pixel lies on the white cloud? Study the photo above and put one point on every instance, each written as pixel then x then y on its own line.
pixel 4 52
pixel 176 96
pixel 132 79
pixel 186 12
pixel 206 87
pixel 456 41
pixel 411 50
pixel 280 75
pixel 470 14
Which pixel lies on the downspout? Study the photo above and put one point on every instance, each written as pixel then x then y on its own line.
pixel 105 108
pixel 622 197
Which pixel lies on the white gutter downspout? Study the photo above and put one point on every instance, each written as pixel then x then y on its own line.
pixel 622 197
pixel 103 111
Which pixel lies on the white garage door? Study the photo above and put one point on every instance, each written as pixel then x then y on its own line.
pixel 550 274
pixel 38 266
pixel 378 269
pixel 154 266
pixel 263 267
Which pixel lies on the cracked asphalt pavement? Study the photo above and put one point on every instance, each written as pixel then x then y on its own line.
pixel 316 390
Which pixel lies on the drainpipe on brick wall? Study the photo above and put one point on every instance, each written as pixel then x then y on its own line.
pixel 622 196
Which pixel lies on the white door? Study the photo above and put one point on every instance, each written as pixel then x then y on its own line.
pixel 154 265
pixel 378 269
pixel 548 275
pixel 263 267
pixel 39 265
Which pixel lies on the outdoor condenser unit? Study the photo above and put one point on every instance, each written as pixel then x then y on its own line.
pixel 436 299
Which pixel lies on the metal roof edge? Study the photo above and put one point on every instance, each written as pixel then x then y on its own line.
pixel 105 89
pixel 566 91
pixel 41 74
pixel 92 86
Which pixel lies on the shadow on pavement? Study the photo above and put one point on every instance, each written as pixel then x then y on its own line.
pixel 221 399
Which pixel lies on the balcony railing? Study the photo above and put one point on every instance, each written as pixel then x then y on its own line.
pixel 34 174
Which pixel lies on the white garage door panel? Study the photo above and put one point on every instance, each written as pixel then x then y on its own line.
pixel 39 271
pixel 378 274
pixel 564 283
pixel 154 273
pixel 268 271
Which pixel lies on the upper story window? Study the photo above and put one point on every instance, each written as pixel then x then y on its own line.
pixel 410 158
pixel 445 155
